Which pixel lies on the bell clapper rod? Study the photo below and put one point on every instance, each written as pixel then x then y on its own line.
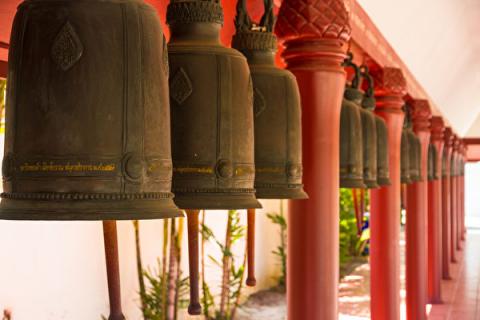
pixel 194 307
pixel 251 280
pixel 113 269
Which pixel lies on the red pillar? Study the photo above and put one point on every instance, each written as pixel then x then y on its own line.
pixel 435 216
pixel 385 203
pixel 446 205
pixel 453 191
pixel 416 227
pixel 314 51
pixel 462 194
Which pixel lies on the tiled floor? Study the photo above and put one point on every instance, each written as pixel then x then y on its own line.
pixel 462 294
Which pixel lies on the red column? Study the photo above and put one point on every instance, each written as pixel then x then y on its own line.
pixel 462 181
pixel 416 227
pixel 446 205
pixel 385 203
pixel 314 51
pixel 435 216
pixel 453 191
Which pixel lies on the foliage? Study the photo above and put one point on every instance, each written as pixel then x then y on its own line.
pixel 351 244
pixel 154 297
pixel 163 293
pixel 233 275
pixel 281 251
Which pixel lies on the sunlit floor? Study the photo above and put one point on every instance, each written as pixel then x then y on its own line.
pixel 461 295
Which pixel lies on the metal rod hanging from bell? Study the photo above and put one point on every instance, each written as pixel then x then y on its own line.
pixel 75 70
pixel 351 140
pixel 277 125
pixel 113 269
pixel 211 93
pixel 369 102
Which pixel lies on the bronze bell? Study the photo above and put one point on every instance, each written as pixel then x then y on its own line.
pixel 277 117
pixel 405 158
pixel 351 141
pixel 432 163
pixel 369 102
pixel 87 124
pixel 211 98
pixel 415 157
pixel 369 136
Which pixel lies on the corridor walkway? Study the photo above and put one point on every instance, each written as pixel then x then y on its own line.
pixel 462 295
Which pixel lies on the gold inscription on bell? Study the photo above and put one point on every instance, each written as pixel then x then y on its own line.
pixel 77 167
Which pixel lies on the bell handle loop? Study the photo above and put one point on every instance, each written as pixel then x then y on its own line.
pixel 348 63
pixel 194 308
pixel 268 19
pixel 251 280
pixel 243 22
pixel 365 73
pixel 113 269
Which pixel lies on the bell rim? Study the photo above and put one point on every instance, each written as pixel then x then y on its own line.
pixel 384 182
pixel 54 210
pixel 281 193
pixel 216 201
pixel 352 183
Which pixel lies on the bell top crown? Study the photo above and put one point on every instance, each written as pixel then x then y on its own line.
pixel 254 37
pixel 194 11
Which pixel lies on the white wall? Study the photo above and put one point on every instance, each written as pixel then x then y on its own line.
pixel 472 195
pixel 56 270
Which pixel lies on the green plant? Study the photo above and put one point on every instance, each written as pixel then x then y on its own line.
pixel 232 275
pixel 281 251
pixel 163 293
pixel 351 244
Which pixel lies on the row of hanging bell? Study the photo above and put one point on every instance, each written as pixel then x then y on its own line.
pixel 278 163
pixel 363 135
pixel 102 147
pixel 410 152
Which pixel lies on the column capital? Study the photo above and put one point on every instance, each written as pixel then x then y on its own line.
pixel 314 19
pixel 448 136
pixel 314 33
pixel 421 115
pixel 437 128
pixel 456 143
pixel 390 87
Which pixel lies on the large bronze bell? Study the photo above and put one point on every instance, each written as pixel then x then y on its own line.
pixel 432 163
pixel 351 141
pixel 369 102
pixel 211 98
pixel 278 130
pixel 87 123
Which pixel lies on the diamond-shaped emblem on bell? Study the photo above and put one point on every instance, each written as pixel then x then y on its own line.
pixel 180 86
pixel 67 48
pixel 259 102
